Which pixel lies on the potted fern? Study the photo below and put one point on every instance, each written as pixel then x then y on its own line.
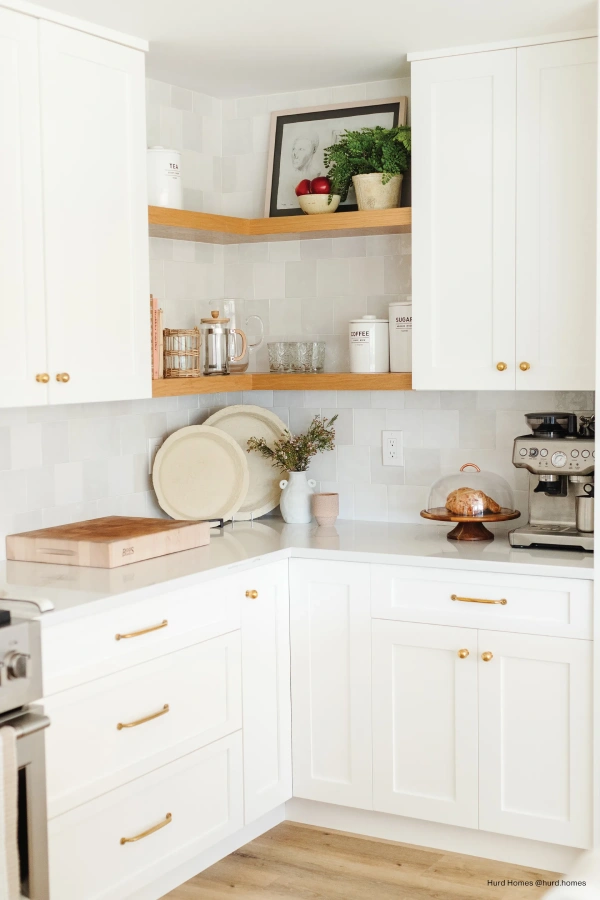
pixel 374 160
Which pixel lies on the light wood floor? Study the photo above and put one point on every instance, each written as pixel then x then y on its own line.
pixel 299 862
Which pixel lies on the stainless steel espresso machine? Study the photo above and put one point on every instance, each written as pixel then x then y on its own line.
pixel 560 456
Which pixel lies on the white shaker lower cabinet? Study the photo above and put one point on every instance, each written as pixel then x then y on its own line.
pixel 266 689
pixel 425 744
pixel 330 629
pixel 123 840
pixel 95 217
pixel 535 737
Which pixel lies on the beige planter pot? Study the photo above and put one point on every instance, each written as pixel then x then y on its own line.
pixel 372 194
pixel 326 508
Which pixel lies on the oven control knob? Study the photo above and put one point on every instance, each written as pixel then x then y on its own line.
pixel 559 459
pixel 523 451
pixel 18 665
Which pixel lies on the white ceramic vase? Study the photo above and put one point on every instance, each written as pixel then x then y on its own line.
pixel 295 498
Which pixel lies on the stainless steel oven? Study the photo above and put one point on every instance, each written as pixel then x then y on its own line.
pixel 20 686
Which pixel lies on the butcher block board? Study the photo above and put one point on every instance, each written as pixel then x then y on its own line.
pixel 107 542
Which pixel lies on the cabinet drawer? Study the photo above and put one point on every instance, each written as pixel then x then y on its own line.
pixel 551 606
pixel 196 693
pixel 96 645
pixel 203 795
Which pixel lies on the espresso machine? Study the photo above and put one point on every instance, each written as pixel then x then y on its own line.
pixel 559 455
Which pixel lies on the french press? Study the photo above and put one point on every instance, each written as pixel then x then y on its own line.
pixel 216 344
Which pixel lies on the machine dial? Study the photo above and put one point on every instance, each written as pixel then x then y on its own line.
pixel 585 453
pixel 523 451
pixel 543 452
pixel 17 665
pixel 559 459
pixel 574 453
pixel 533 452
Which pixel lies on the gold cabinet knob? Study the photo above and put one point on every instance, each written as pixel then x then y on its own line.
pixel 524 366
pixel 252 594
pixel 63 376
pixel 487 656
pixel 43 378
pixel 462 654
pixel 502 367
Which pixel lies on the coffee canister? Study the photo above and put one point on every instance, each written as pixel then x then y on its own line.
pixel 400 337
pixel 164 178
pixel 369 345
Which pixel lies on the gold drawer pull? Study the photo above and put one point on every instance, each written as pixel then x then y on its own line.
pixel 487 656
pixel 477 600
pixel 462 654
pixel 123 637
pixel 252 594
pixel 42 378
pixel 144 834
pixel 63 377
pixel 161 712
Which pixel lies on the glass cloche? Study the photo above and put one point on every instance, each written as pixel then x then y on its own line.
pixel 471 493
pixel 470 497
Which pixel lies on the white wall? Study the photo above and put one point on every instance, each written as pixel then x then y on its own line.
pixel 65 463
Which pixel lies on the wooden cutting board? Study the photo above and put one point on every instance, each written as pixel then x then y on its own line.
pixel 107 542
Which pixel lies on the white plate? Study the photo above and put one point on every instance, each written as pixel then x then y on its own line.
pixel 200 473
pixel 241 423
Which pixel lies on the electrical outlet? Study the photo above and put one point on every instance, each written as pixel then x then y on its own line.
pixel 153 445
pixel 393 450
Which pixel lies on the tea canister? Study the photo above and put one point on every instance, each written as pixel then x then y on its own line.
pixel 401 337
pixel 164 178
pixel 369 345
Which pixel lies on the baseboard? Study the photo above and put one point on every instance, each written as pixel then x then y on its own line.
pixel 197 864
pixel 520 851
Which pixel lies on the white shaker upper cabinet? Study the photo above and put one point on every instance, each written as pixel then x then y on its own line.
pixel 556 215
pixel 23 331
pixel 463 175
pixel 95 217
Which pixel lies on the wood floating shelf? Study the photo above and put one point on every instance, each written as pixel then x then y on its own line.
pixel 184 225
pixel 268 381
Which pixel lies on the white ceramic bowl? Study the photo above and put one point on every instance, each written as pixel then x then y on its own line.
pixel 314 204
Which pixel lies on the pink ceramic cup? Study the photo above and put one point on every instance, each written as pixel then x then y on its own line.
pixel 325 508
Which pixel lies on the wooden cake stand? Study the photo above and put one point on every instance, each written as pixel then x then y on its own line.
pixel 469 528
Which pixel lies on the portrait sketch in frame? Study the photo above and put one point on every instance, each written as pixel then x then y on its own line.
pixel 299 137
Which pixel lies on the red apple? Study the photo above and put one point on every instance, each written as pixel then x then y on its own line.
pixel 303 188
pixel 320 185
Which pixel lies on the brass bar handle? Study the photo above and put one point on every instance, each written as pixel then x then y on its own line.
pixel 132 634
pixel 462 654
pixel 138 837
pixel 477 600
pixel 252 595
pixel 156 715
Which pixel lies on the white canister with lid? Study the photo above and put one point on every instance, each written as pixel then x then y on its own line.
pixel 164 178
pixel 401 337
pixel 369 345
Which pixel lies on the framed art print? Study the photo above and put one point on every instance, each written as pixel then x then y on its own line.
pixel 299 137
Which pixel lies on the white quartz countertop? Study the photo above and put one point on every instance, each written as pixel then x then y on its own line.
pixel 75 591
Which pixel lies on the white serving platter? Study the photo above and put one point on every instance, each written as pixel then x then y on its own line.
pixel 241 423
pixel 200 473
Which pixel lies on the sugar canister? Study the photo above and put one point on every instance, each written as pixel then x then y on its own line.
pixel 401 337
pixel 369 345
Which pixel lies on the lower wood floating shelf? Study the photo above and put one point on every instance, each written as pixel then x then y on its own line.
pixel 267 381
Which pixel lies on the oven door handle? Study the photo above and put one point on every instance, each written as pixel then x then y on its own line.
pixel 29 723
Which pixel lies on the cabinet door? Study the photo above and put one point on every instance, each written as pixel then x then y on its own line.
pixel 425 722
pixel 266 689
pixel 95 213
pixel 463 186
pixel 556 215
pixel 23 331
pixel 535 737
pixel 331 682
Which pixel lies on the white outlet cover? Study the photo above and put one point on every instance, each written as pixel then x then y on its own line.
pixel 392 448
